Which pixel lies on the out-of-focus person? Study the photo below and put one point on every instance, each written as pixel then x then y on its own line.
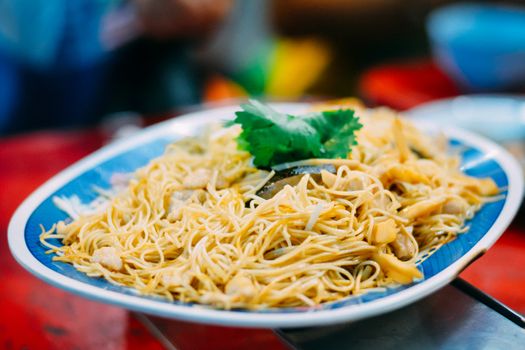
pixel 75 61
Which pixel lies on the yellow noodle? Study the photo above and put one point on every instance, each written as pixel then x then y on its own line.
pixel 190 226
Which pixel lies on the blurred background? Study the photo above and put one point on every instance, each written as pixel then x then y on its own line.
pixel 69 63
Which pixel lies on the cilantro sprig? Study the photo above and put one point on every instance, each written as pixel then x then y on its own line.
pixel 274 138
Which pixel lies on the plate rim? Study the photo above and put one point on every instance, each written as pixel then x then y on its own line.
pixel 196 313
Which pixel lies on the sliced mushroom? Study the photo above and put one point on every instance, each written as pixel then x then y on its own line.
pixel 344 184
pixel 292 176
pixel 400 271
pixel 423 208
pixel 403 173
pixel 484 187
pixel 400 140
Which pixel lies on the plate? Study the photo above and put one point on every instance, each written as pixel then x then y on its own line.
pixel 480 157
pixel 499 117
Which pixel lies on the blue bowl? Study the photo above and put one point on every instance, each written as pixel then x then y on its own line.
pixel 481 46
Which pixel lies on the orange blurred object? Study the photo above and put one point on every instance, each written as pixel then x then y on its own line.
pixel 219 88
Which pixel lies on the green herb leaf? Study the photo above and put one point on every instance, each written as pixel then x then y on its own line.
pixel 274 138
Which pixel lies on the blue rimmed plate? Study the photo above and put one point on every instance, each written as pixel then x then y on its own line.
pixel 480 157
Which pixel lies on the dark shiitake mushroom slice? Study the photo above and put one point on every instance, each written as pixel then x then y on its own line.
pixel 291 176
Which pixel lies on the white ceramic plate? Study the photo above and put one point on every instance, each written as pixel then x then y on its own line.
pixel 499 117
pixel 480 158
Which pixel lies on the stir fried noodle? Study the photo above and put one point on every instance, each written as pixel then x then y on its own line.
pixel 190 226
